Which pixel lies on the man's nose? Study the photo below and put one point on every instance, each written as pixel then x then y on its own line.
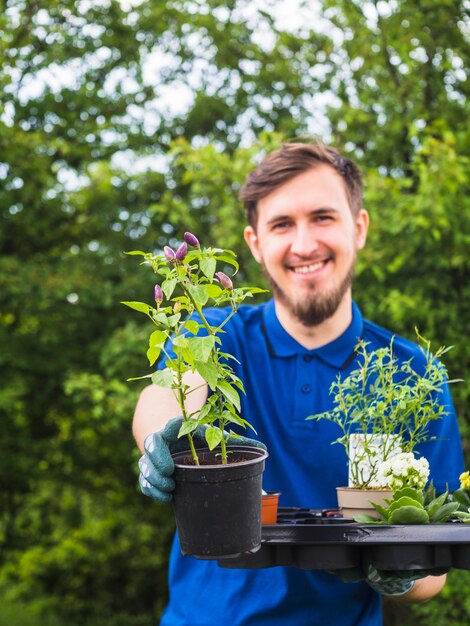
pixel 304 242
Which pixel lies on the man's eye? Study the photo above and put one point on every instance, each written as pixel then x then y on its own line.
pixel 280 225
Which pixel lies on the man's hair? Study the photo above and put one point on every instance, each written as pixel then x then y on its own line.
pixel 293 159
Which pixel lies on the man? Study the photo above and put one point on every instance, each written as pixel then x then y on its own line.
pixel 306 225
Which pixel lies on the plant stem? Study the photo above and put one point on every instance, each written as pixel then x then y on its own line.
pixel 233 311
pixel 198 309
pixel 193 450
pixel 183 411
pixel 223 445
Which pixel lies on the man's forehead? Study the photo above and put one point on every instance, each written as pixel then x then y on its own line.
pixel 315 190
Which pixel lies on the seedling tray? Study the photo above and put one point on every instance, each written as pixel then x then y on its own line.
pixel 324 540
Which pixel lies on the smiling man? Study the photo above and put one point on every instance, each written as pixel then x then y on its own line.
pixel 306 226
pixel 306 235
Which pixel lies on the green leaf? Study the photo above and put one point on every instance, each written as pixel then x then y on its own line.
pixel 180 341
pixel 228 259
pixel 201 347
pixel 233 418
pixel 380 509
pixel 414 494
pixel 235 380
pixel 463 515
pixel 444 512
pixel 208 266
pixel 187 427
pixel 213 291
pixel 162 319
pixel 140 306
pixel 199 294
pixel 204 412
pixel 435 504
pixel 136 252
pixel 227 356
pixel 364 518
pixel 409 515
pixel 462 497
pixel 402 502
pixel 168 286
pixel 140 377
pixel 163 378
pixel 208 370
pixel 174 319
pixel 187 356
pixel 157 338
pixel 192 326
pixel 213 436
pixel 230 393
pixel 254 290
pixel 152 354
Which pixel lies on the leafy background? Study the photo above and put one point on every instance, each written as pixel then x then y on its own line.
pixel 121 126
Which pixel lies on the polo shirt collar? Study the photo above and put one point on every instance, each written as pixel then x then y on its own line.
pixel 337 353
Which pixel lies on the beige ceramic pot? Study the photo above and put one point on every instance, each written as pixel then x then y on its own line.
pixel 353 501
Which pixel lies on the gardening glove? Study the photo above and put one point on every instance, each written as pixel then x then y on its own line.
pixel 388 582
pixel 156 465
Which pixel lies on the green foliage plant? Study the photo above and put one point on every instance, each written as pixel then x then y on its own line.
pixel 188 282
pixel 413 506
pixel 382 402
pixel 410 503
pixel 462 497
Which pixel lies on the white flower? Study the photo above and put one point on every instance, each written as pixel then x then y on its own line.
pixel 404 470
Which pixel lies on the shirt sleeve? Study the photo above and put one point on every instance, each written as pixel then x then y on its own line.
pixel 444 452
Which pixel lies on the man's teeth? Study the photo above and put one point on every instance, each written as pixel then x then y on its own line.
pixel 304 269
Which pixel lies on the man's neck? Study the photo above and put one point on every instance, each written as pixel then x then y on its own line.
pixel 312 337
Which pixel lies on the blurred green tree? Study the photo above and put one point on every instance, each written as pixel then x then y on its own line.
pixel 122 124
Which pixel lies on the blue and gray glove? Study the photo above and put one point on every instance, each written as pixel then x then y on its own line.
pixel 156 465
pixel 389 583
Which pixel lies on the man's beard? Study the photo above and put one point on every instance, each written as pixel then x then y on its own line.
pixel 315 307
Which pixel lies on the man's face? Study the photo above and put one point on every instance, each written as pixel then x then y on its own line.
pixel 307 239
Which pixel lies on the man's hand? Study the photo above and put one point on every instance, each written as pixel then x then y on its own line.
pixel 389 583
pixel 156 465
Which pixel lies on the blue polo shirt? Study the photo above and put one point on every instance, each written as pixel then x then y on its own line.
pixel 284 383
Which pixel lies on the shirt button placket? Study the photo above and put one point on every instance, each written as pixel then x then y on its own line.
pixel 304 395
pixel 307 388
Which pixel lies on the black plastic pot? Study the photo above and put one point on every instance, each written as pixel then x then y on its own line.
pixel 218 507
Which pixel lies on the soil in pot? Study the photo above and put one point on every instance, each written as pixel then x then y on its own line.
pixel 218 507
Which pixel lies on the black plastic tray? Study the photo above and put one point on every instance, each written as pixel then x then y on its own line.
pixel 319 539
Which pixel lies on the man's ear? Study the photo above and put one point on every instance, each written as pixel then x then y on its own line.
pixel 362 225
pixel 252 241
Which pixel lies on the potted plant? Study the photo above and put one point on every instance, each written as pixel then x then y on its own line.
pixel 410 503
pixel 383 407
pixel 217 498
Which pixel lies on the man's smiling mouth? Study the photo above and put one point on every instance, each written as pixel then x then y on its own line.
pixel 306 269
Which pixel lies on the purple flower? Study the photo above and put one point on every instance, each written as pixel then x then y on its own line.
pixel 158 294
pixel 191 240
pixel 169 253
pixel 224 280
pixel 181 252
